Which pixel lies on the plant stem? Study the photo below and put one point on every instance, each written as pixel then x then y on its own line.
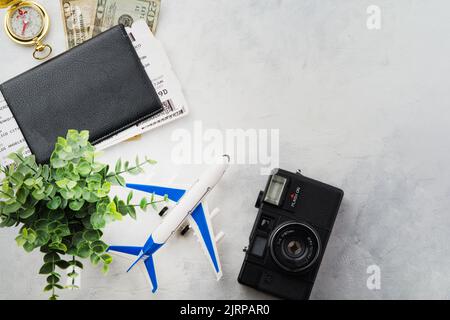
pixel 150 203
pixel 125 171
pixel 73 270
pixel 23 161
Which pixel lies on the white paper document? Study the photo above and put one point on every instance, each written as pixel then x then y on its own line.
pixel 11 138
pixel 159 70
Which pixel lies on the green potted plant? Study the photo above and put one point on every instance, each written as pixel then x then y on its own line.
pixel 62 207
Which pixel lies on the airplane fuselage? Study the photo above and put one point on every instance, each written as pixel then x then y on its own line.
pixel 187 204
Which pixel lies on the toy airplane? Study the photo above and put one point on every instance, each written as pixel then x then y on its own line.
pixel 190 206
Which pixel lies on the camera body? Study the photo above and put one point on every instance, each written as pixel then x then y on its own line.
pixel 295 218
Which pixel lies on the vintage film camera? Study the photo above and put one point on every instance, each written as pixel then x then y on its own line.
pixel 287 243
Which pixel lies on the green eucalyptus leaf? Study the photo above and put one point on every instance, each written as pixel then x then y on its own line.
pixel 29 182
pixel 50 190
pixel 62 183
pixel 91 235
pixel 54 203
pixel 84 137
pixel 132 212
pixel 84 168
pixel 28 246
pixel 118 166
pixel 98 221
pixel 122 207
pixel 72 251
pixel 52 279
pixel 42 238
pixel 48 288
pixel 52 226
pixel 38 194
pixel 76 205
pixel 136 161
pixel 71 185
pixel 11 208
pixel 58 246
pixel 66 194
pixel 51 257
pixel 47 268
pixel 130 197
pixel 76 263
pixel 20 240
pixel 84 251
pixel 97 177
pixel 45 172
pixel 105 268
pixel 106 187
pixel 117 180
pixel 26 213
pixel 136 171
pixel 22 195
pixel 95 259
pixel 31 237
pixel 97 167
pixel 62 264
pixel 99 246
pixel 143 204
pixel 106 258
pixel 56 215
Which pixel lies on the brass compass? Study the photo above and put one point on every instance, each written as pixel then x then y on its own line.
pixel 27 23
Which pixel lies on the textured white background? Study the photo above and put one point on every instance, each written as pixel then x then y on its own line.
pixel 364 110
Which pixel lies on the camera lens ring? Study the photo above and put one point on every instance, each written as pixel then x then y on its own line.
pixel 278 232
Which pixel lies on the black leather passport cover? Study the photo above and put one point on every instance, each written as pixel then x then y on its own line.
pixel 100 86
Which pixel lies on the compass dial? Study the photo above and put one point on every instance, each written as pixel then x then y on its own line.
pixel 26 22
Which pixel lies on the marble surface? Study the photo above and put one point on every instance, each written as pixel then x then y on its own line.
pixel 366 110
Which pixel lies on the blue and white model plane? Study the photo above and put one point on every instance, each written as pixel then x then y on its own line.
pixel 189 206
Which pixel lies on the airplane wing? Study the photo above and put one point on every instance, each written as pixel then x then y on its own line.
pixel 200 220
pixel 172 193
pixel 135 251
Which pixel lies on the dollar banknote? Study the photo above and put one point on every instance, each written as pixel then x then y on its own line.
pixel 78 18
pixel 112 12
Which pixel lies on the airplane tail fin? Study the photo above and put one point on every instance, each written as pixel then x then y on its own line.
pixel 150 266
pixel 148 261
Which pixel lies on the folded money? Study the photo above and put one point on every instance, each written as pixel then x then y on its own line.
pixel 84 19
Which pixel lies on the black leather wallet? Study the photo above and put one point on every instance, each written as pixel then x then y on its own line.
pixel 100 86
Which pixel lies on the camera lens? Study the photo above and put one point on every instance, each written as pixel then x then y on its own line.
pixel 294 246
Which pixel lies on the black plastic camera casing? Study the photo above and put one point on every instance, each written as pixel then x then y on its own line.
pixel 294 222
